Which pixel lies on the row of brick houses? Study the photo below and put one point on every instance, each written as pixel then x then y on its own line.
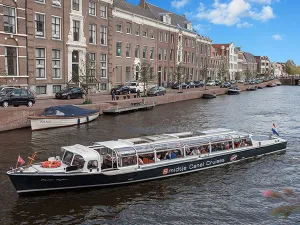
pixel 43 42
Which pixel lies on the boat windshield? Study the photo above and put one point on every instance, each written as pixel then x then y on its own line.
pixel 67 157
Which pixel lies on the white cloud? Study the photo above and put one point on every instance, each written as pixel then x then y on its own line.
pixel 201 28
pixel 277 37
pixel 201 7
pixel 231 13
pixel 244 24
pixel 265 2
pixel 179 3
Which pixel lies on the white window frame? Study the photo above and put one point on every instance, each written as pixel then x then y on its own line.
pixel 40 65
pixel 93 34
pixel 17 60
pixel 15 28
pixel 36 33
pixel 92 3
pixel 103 64
pixel 103 12
pixel 103 30
pixel 54 35
pixel 57 64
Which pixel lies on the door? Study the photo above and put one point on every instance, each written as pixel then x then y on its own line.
pixel 24 97
pixel 15 98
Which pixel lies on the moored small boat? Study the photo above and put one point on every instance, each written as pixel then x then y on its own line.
pixel 234 91
pixel 252 88
pixel 139 159
pixel 278 83
pixel 62 116
pixel 260 87
pixel 209 96
pixel 271 85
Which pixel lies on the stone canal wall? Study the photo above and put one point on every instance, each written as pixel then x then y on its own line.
pixel 17 117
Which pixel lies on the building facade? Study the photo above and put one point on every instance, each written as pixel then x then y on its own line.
pixel 263 65
pixel 251 64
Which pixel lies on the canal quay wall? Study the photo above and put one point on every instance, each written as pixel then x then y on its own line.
pixel 17 117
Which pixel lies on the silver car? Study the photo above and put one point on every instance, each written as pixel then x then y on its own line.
pixel 155 91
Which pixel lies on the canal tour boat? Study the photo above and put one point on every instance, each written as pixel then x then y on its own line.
pixel 141 159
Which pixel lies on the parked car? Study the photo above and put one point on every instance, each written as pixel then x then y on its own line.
pixel 183 86
pixel 218 82
pixel 17 97
pixel 226 84
pixel 233 81
pixel 5 90
pixel 211 83
pixel 121 90
pixel 136 85
pixel 199 83
pixel 241 81
pixel 155 91
pixel 191 84
pixel 70 92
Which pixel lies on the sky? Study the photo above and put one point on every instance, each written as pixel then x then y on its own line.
pixel 262 27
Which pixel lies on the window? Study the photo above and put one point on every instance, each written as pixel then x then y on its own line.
pixel 39 25
pixel 40 90
pixel 56 3
pixel 128 73
pixel 137 31
pixel 103 87
pixel 103 35
pixel 171 74
pixel 151 52
pixel 152 36
pixel 92 8
pixel 160 36
pixel 151 73
pixel 103 11
pixel 192 57
pixel 11 61
pixel 119 27
pixel 119 48
pixel 92 59
pixel 56 88
pixel 159 54
pixel 189 57
pixel 137 51
pixel 145 52
pixel 185 57
pixel 145 33
pixel 128 50
pixel 128 28
pixel 103 65
pixel 56 65
pixel 9 17
pixel 40 1
pixel 165 73
pixel 55 27
pixel 179 56
pixel 40 61
pixel 166 37
pixel 172 38
pixel 92 34
pixel 75 5
pixel 171 54
pixel 197 49
pixel 75 65
pixel 76 26
pixel 166 54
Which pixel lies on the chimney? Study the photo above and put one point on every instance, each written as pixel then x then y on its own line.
pixel 142 3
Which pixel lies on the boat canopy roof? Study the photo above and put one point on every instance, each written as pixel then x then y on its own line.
pixel 86 152
pixel 148 144
pixel 67 110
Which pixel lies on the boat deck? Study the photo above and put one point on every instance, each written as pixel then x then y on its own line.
pixel 118 110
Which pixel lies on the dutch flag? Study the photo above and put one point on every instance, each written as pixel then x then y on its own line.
pixel 274 131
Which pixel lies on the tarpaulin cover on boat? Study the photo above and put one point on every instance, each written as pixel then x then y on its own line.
pixel 67 110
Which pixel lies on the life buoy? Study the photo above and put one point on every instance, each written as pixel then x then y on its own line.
pixel 51 164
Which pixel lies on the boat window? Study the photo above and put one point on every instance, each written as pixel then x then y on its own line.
pixel 166 145
pixel 196 150
pixel 146 158
pixel 194 142
pixel 109 161
pixel 78 161
pixel 92 164
pixel 127 161
pixel 67 159
pixel 144 149
pixel 221 146
pixel 220 138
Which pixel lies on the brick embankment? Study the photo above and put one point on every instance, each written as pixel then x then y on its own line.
pixel 14 118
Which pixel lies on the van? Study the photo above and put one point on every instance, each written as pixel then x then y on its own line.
pixel 136 85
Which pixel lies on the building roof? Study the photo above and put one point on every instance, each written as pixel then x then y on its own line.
pixel 249 57
pixel 218 48
pixel 122 4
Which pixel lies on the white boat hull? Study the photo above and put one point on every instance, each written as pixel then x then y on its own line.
pixel 40 123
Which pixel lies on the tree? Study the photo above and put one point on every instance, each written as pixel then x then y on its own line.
pixel 146 73
pixel 238 75
pixel 203 73
pixel 248 74
pixel 223 72
pixel 86 75
pixel 177 75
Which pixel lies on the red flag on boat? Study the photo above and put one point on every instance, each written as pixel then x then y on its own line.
pixel 21 161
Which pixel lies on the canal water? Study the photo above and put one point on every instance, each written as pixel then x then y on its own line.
pixel 224 195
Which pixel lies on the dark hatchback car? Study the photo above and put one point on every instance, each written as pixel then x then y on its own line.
pixel 183 86
pixel 121 90
pixel 199 83
pixel 70 92
pixel 17 97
